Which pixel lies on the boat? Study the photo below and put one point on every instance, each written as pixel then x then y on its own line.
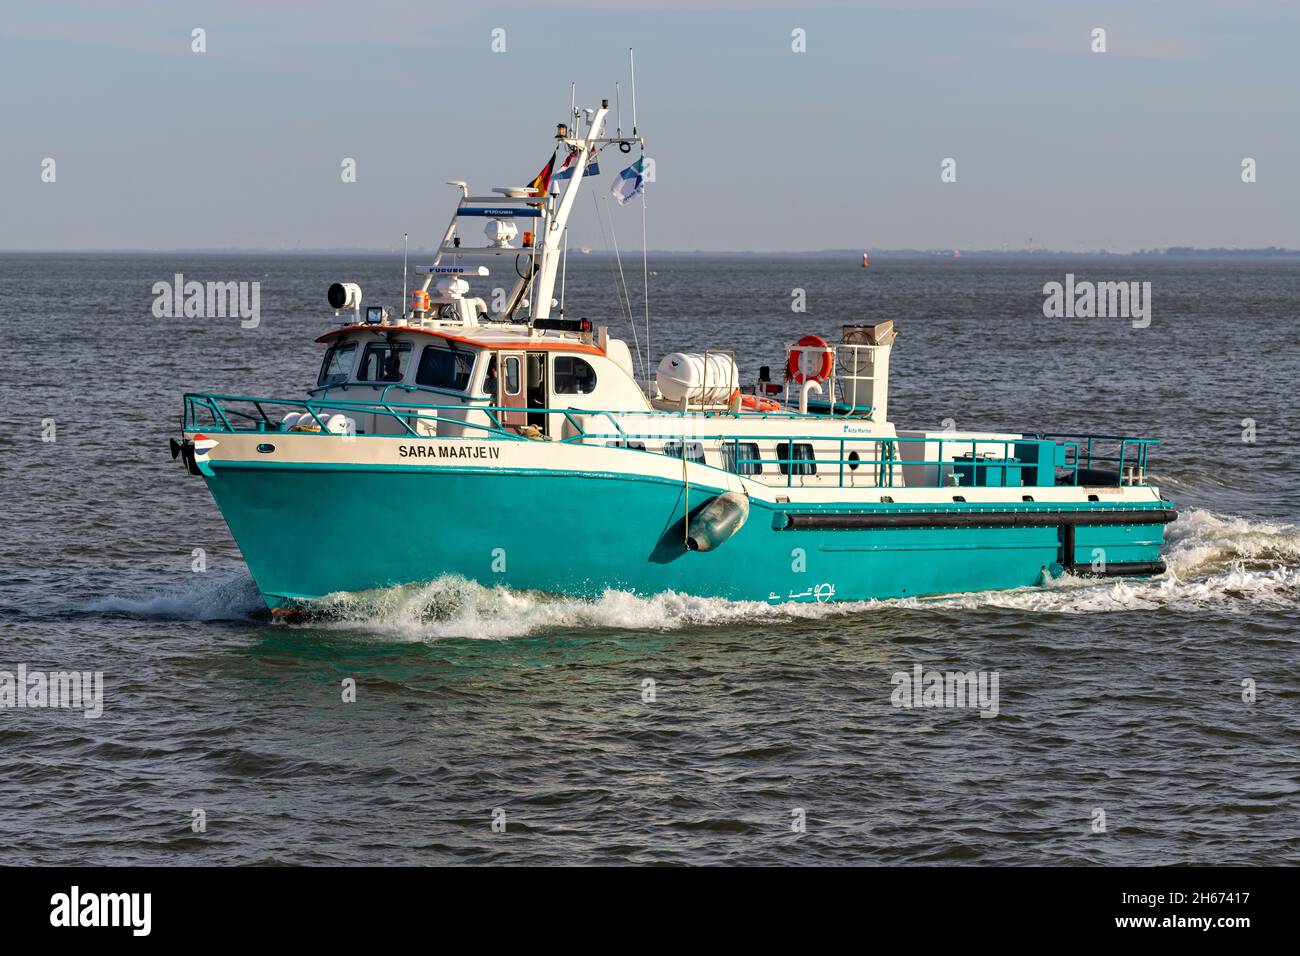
pixel 512 445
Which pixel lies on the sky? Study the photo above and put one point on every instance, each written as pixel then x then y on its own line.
pixel 756 146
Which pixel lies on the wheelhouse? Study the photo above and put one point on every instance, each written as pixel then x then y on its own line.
pixel 528 379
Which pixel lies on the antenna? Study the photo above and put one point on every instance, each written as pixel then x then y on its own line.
pixel 645 251
pixel 618 107
pixel 404 252
pixel 631 59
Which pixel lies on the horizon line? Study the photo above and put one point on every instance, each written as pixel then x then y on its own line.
pixel 1173 251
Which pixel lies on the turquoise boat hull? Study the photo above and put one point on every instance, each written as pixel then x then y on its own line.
pixel 307 531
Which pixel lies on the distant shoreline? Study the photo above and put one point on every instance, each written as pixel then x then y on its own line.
pixel 1171 253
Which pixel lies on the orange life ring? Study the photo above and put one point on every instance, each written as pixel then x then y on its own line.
pixel 792 365
pixel 755 404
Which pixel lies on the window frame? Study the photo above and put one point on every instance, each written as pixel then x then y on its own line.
pixel 349 346
pixel 748 450
pixel 793 462
pixel 504 372
pixel 679 447
pixel 556 376
pixel 400 346
pixel 456 355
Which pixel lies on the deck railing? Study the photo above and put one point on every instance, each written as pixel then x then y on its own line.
pixel 993 460
pixel 1129 454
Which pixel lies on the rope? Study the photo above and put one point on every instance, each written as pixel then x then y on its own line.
pixel 686 500
pixel 645 270
pixel 620 283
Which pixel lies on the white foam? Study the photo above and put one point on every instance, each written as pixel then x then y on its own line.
pixel 1236 590
pixel 452 606
pixel 1227 563
pixel 1200 540
pixel 1230 564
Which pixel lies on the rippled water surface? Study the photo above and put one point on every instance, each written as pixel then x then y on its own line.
pixel 1124 698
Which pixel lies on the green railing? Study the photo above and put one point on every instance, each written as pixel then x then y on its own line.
pixel 218 412
pixel 1128 452
pixel 979 464
pixel 215 412
pixel 994 461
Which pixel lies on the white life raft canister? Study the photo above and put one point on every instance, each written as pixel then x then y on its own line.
pixel 701 378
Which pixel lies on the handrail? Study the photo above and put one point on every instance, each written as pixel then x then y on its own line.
pixel 413 412
pixel 395 410
pixel 1085 445
pixel 639 412
pixel 972 457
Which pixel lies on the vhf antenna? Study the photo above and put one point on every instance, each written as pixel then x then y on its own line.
pixel 631 59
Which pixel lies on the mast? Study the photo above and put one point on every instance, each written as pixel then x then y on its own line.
pixel 550 245
pixel 548 213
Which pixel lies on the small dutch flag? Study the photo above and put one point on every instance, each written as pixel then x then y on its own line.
pixel 203 444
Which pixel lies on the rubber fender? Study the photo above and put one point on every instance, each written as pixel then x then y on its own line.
pixel 717 521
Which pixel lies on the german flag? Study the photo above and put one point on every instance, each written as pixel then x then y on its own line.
pixel 543 180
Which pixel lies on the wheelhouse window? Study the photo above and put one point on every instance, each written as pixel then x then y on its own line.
pixel 513 382
pixel 796 458
pixel 694 450
pixel 337 365
pixel 445 368
pixel 741 458
pixel 384 362
pixel 573 376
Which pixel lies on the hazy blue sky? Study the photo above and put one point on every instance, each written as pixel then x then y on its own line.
pixel 757 147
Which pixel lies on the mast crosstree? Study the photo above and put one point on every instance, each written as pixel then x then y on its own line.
pixel 542 218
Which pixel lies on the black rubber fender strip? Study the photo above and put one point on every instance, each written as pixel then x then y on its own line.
pixel 852 520
pixel 1127 569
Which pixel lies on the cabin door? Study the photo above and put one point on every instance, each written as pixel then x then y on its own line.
pixel 512 389
pixel 536 390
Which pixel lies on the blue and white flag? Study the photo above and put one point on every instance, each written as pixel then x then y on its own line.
pixel 630 183
pixel 566 171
